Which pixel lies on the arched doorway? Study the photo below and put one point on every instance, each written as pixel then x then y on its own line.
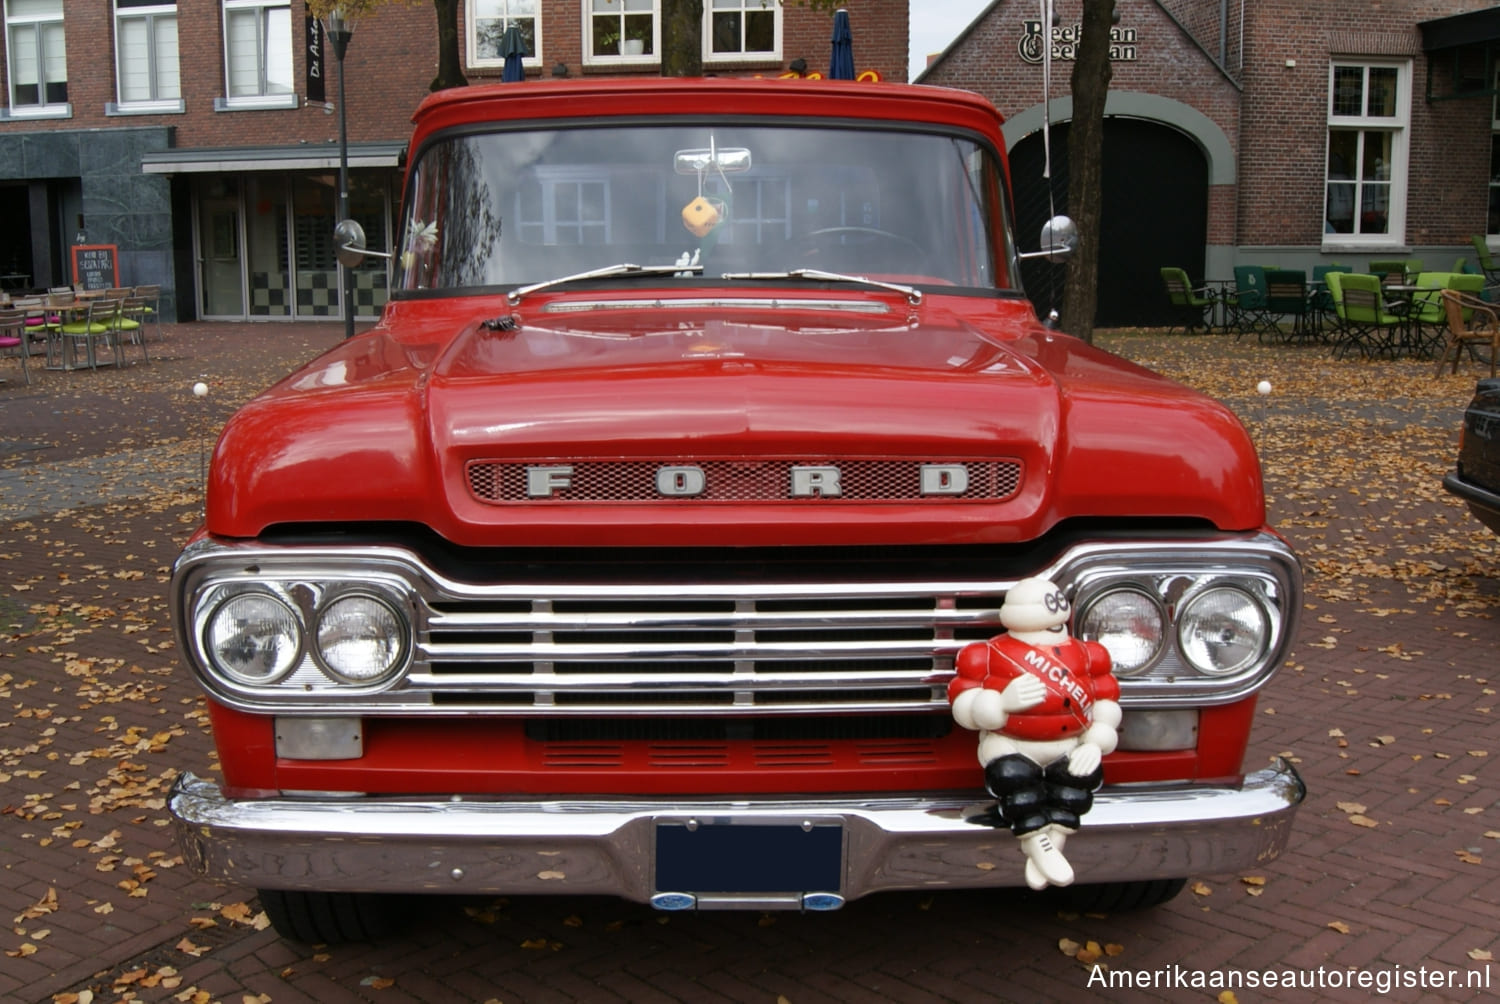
pixel 1154 212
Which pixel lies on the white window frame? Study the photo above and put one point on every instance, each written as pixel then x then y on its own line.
pixel 1494 184
pixel 727 58
pixel 1399 128
pixel 265 98
pixel 163 70
pixel 652 58
pixel 549 225
pixel 40 16
pixel 508 10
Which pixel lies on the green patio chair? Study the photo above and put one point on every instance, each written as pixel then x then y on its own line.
pixel 1250 306
pixel 1366 324
pixel 1321 299
pixel 1395 270
pixel 1488 264
pixel 1286 296
pixel 1195 307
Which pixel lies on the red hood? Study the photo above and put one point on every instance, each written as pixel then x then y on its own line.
pixel 384 427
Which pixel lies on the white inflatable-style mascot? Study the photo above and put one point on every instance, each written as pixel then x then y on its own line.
pixel 1047 711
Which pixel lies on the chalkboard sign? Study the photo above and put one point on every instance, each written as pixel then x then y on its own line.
pixel 95 266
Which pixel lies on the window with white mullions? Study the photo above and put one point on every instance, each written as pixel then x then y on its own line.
pixel 623 31
pixel 487 21
pixel 258 49
pixel 36 54
pixel 743 28
pixel 758 210
pixel 146 47
pixel 1493 227
pixel 558 209
pixel 1365 192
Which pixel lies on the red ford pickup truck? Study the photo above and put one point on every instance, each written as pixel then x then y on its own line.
pixel 630 552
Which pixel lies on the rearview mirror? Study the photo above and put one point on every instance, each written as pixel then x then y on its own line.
pixel 1059 240
pixel 727 160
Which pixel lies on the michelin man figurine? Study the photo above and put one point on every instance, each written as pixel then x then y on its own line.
pixel 1047 711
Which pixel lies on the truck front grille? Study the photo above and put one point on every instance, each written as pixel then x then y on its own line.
pixel 878 651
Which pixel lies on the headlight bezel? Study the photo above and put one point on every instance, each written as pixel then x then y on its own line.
pixel 1271 582
pixel 311 677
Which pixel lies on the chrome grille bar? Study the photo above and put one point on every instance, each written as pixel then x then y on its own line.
pixel 723 650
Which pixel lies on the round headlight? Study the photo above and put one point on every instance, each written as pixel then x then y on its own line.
pixel 254 638
pixel 1129 624
pixel 1222 630
pixel 361 638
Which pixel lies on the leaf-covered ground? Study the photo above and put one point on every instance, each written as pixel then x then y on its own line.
pixel 1386 707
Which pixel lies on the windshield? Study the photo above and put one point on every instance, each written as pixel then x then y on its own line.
pixel 518 207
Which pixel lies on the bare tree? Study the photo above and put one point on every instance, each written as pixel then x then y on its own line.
pixel 1090 86
pixel 682 38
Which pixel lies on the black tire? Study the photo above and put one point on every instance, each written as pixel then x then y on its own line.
pixel 330 918
pixel 1120 897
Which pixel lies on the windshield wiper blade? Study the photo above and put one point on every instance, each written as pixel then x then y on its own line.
pixel 912 294
pixel 607 272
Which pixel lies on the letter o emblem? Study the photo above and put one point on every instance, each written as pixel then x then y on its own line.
pixel 680 481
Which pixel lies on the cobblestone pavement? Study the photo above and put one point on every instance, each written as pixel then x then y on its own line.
pixel 1387 707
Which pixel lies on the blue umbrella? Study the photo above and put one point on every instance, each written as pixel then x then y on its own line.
pixel 513 48
pixel 841 61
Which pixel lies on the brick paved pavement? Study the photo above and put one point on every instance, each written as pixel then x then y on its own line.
pixel 1388 708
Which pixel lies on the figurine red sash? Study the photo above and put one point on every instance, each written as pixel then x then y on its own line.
pixel 1076 674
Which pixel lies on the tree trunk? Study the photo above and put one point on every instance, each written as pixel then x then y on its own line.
pixel 1090 85
pixel 682 38
pixel 450 68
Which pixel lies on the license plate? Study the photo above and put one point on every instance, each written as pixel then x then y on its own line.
pixel 749 857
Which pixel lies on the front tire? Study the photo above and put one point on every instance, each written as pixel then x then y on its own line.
pixel 330 918
pixel 1120 897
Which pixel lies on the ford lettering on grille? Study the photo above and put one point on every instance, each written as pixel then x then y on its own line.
pixel 766 480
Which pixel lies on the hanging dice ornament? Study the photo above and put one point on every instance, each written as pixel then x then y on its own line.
pixel 1047 711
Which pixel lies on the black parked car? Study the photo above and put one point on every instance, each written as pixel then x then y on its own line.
pixel 1476 480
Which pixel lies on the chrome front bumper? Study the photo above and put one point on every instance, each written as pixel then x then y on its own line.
pixel 608 847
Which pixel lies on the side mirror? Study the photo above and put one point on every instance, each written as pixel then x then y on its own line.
pixel 349 244
pixel 1059 240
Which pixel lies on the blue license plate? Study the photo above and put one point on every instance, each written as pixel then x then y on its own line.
pixel 741 857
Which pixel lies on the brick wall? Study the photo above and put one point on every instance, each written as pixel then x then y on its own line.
pixel 389 64
pixel 1170 63
pixel 1274 116
pixel 1286 123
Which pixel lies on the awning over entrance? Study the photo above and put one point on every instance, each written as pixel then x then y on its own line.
pixel 301 157
pixel 1462 54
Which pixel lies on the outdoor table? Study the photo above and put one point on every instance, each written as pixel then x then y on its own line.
pixel 1221 290
pixel 1403 303
pixel 77 307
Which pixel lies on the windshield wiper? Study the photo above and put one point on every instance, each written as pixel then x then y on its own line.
pixel 912 294
pixel 607 272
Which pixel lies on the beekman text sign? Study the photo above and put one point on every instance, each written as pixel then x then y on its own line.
pixel 1122 42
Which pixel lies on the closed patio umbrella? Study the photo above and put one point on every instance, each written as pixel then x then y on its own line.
pixel 841 60
pixel 513 49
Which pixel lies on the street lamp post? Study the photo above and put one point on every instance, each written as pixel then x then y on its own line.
pixel 339 34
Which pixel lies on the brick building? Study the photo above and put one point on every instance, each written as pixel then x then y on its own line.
pixel 199 141
pixel 1278 132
